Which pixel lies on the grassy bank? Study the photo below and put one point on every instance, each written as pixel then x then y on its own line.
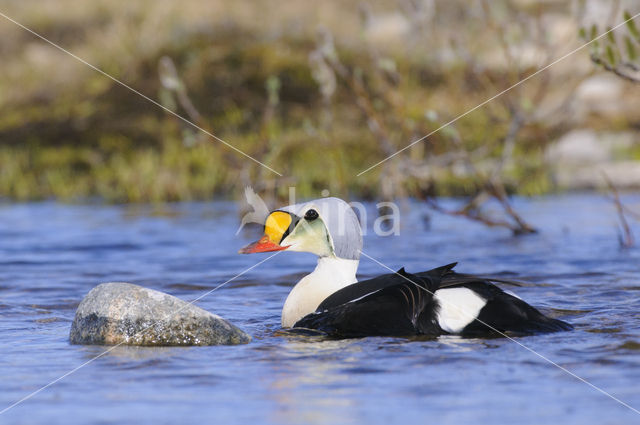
pixel 312 91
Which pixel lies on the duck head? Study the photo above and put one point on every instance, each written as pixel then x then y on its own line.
pixel 326 227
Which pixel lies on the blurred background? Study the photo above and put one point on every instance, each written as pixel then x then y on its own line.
pixel 319 91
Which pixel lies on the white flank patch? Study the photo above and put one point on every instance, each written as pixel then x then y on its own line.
pixel 458 308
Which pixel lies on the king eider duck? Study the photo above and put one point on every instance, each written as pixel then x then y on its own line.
pixel 435 302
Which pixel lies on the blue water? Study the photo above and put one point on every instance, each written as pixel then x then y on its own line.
pixel 51 255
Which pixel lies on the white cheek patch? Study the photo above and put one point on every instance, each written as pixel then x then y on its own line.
pixel 458 308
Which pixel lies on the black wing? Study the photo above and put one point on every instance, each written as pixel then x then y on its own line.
pixel 431 279
pixel 448 278
pixel 401 306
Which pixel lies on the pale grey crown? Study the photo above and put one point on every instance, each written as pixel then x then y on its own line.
pixel 341 222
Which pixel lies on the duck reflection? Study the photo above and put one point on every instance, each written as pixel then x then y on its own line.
pixel 311 382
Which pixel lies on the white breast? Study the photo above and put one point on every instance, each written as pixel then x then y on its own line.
pixel 329 276
pixel 458 308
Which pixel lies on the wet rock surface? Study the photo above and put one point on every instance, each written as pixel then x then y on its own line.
pixel 117 312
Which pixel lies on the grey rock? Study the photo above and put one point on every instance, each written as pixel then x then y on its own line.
pixel 122 313
pixel 623 174
pixel 578 147
pixel 606 95
pixel 580 159
pixel 586 147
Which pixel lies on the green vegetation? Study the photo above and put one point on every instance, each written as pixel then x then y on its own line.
pixel 310 90
pixel 614 55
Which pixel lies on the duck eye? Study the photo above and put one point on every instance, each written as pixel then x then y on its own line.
pixel 311 215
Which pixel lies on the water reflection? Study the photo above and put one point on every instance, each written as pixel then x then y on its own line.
pixel 309 383
pixel 135 354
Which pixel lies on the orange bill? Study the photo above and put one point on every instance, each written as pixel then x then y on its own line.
pixel 263 245
pixel 275 227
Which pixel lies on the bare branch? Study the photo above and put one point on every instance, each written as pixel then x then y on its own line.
pixel 626 238
pixel 618 70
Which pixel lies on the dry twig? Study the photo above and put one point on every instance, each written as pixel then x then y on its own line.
pixel 626 236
